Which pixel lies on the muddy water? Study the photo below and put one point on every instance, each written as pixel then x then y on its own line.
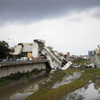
pixel 89 92
pixel 21 89
pixel 68 79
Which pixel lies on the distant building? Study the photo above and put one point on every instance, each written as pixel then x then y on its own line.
pixel 60 53
pixel 68 54
pixel 90 53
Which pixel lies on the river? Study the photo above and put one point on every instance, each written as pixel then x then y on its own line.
pixel 21 89
pixel 89 92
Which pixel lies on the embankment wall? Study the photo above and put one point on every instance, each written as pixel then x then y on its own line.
pixel 12 69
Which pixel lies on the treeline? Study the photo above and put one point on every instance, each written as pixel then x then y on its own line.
pixel 4 49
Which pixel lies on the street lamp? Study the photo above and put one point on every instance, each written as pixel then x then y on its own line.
pixel 14 45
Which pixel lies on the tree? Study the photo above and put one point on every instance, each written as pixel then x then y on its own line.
pixel 4 49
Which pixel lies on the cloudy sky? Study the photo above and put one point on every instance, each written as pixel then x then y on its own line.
pixel 66 25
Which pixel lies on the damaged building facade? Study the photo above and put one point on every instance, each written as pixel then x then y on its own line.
pixel 30 49
pixel 38 48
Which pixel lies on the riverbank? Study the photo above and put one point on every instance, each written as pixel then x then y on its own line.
pixel 8 79
pixel 59 93
pixel 21 88
pixel 80 61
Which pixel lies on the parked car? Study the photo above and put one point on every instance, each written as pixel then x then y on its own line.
pixel 23 59
pixel 4 60
pixel 17 59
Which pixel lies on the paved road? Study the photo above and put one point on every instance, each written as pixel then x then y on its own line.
pixel 21 62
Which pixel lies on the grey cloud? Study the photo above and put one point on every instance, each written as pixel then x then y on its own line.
pixel 34 10
pixel 96 13
pixel 75 19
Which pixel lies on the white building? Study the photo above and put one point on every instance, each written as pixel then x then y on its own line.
pixel 31 49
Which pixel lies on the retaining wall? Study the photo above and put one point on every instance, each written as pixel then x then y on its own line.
pixel 12 69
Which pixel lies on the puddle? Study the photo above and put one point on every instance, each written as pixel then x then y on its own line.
pixel 22 94
pixel 67 79
pixel 90 92
pixel 19 96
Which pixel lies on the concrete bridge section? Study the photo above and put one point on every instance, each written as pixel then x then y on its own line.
pixel 38 48
pixel 7 69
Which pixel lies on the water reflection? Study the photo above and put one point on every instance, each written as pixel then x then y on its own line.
pixel 67 79
pixel 23 87
pixel 92 92
pixel 21 95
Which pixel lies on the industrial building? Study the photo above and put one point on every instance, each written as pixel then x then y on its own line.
pixel 90 53
pixel 30 49
pixel 68 54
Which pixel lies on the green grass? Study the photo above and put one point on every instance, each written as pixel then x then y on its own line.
pixel 48 93
pixel 93 71
pixel 58 76
pixel 81 61
pixel 4 82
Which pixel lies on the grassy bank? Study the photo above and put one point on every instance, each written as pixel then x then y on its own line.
pixel 48 93
pixel 58 76
pixel 81 61
pixel 11 77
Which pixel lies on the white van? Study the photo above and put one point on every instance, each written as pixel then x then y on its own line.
pixel 23 59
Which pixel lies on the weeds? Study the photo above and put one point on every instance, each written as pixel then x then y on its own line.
pixel 81 61
pixel 58 93
pixel 11 77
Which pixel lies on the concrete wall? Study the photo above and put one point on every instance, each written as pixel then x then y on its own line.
pixel 7 70
pixel 35 50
